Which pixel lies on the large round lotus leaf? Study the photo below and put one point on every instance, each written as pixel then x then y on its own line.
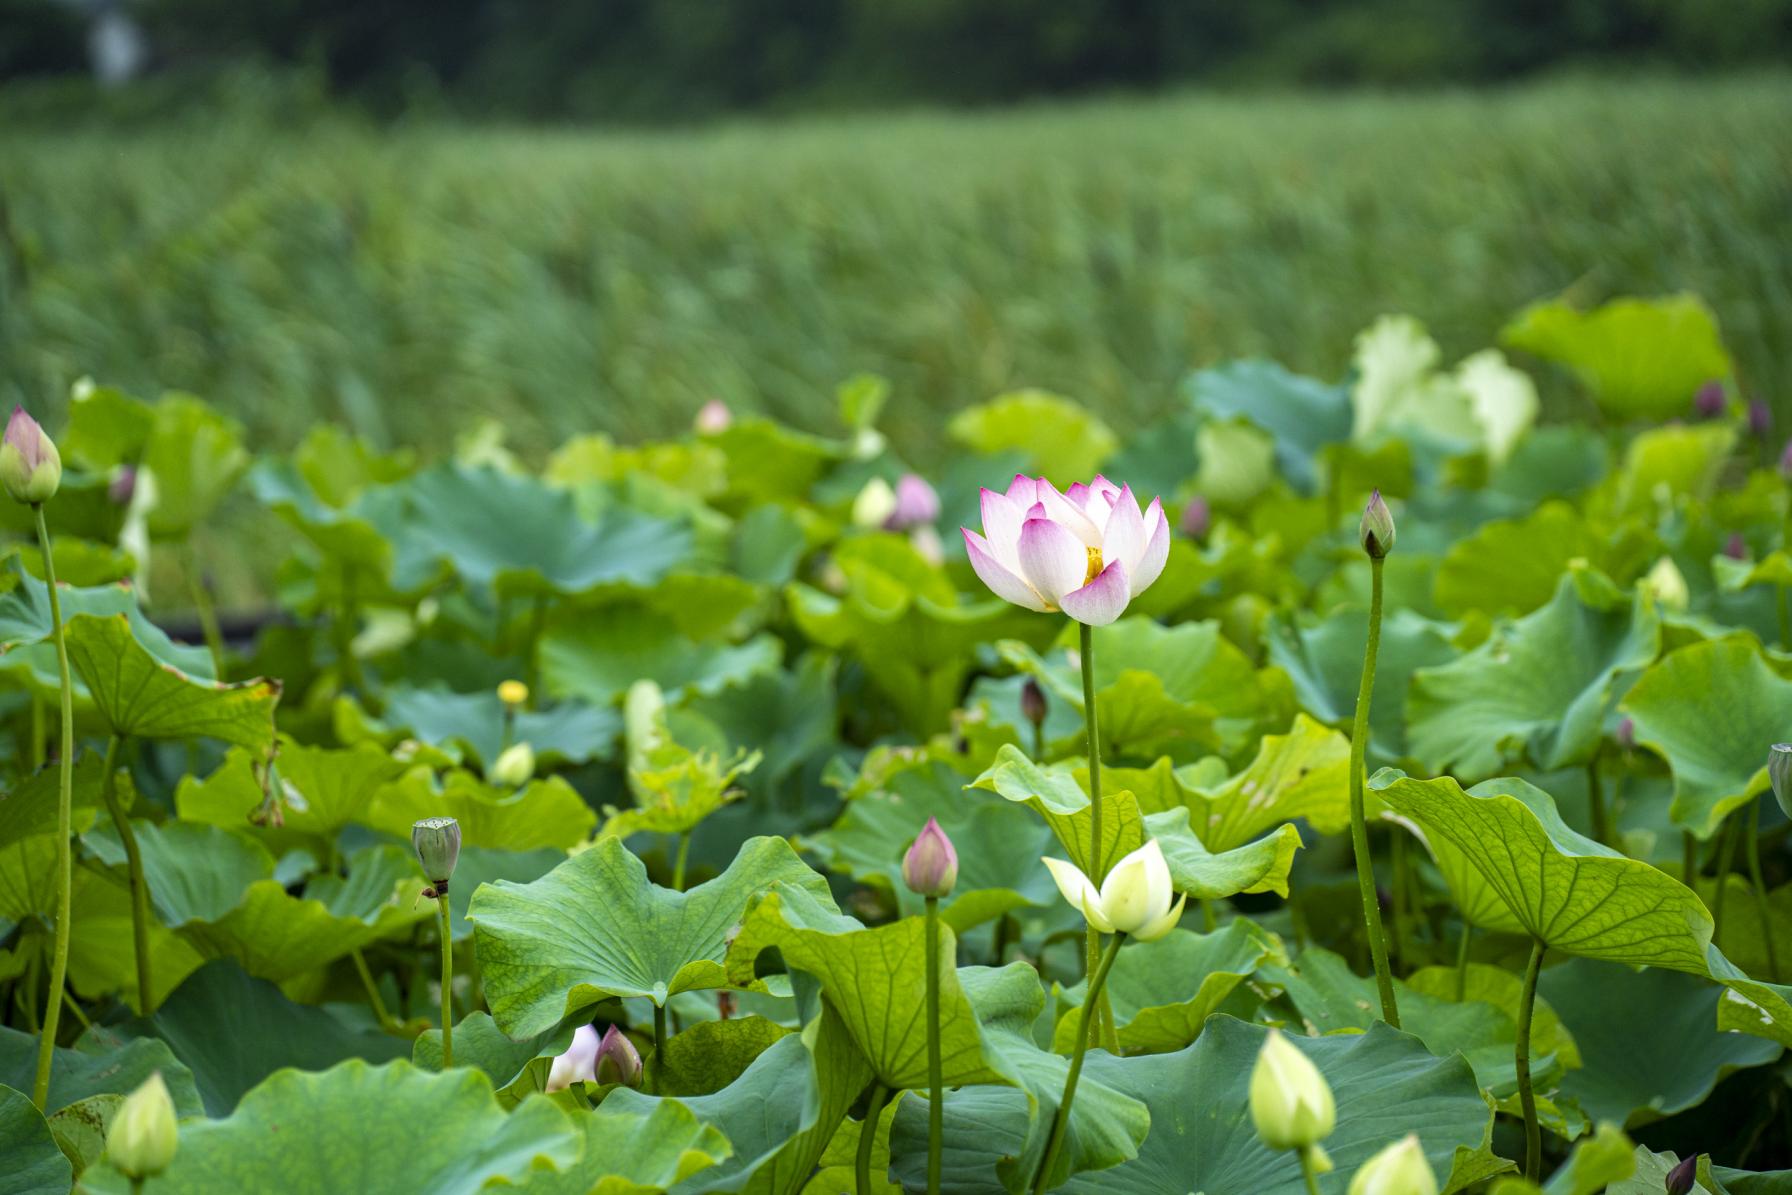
pixel 1303 414
pixel 143 696
pixel 357 1127
pixel 471 725
pixel 1638 357
pixel 96 1068
pixel 34 1163
pixel 637 1153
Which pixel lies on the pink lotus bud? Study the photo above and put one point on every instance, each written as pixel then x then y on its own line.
pixel 1760 418
pixel 30 466
pixel 714 417
pixel 617 1059
pixel 931 866
pixel 1032 702
pixel 1681 1178
pixel 1709 402
pixel 1376 532
pixel 916 503
pixel 578 1064
pixel 123 486
pixel 1197 516
pixel 1736 548
pixel 1627 734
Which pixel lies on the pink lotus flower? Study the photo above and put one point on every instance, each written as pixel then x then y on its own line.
pixel 579 1063
pixel 1087 551
pixel 714 418
pixel 931 866
pixel 916 504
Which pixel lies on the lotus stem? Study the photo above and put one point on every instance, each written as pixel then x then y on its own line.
pixel 447 979
pixel 1061 1118
pixel 684 850
pixel 1097 857
pixel 65 863
pixel 208 614
pixel 1309 1170
pixel 1359 830
pixel 936 1113
pixel 374 1000
pixel 1521 1058
pixel 1602 827
pixel 874 1107
pixel 660 1037
pixel 1753 849
pixel 1462 961
pixel 133 859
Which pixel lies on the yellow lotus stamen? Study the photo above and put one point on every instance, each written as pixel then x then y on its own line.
pixel 1094 566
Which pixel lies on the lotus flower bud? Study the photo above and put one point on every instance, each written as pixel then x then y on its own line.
pixel 1197 516
pixel 1779 772
pixel 1400 1169
pixel 1668 585
pixel 123 486
pixel 917 504
pixel 1626 733
pixel 1681 1178
pixel 1709 402
pixel 1760 418
pixel 144 1135
pixel 875 504
pixel 30 466
pixel 926 543
pixel 437 843
pixel 513 693
pixel 1736 548
pixel 578 1064
pixel 1291 1103
pixel 1376 532
pixel 714 418
pixel 514 767
pixel 1032 702
pixel 931 866
pixel 617 1059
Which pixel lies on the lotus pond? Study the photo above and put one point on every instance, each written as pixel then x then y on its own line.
pixel 1361 785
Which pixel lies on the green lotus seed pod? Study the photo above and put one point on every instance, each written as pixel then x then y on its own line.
pixel 437 842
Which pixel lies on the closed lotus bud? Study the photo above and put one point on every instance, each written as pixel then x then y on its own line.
pixel 617 1059
pixel 1708 403
pixel 1681 1178
pixel 513 693
pixel 917 504
pixel 1376 532
pixel 714 418
pixel 1197 516
pixel 144 1135
pixel 931 866
pixel 1291 1103
pixel 1668 584
pixel 1032 702
pixel 1779 771
pixel 30 466
pixel 1627 733
pixel 1760 418
pixel 437 843
pixel 875 504
pixel 1400 1169
pixel 515 766
pixel 578 1064
pixel 123 486
pixel 1736 548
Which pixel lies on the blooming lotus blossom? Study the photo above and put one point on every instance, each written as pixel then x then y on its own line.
pixel 579 1063
pixel 1087 551
pixel 1134 899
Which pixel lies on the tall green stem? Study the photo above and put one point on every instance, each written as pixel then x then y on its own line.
pixel 936 1089
pixel 1462 961
pixel 208 614
pixel 1521 1057
pixel 65 862
pixel 874 1107
pixel 447 981
pixel 1309 1170
pixel 660 1037
pixel 1061 1118
pixel 1359 830
pixel 374 1000
pixel 684 851
pixel 1097 856
pixel 1760 887
pixel 133 859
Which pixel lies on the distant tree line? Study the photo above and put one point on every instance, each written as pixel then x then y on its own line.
pixel 636 59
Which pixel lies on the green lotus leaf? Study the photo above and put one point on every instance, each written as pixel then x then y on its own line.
pixel 1596 1162
pixel 1487 984
pixel 999 843
pixel 546 812
pixel 788 715
pixel 1615 1012
pixel 517 1069
pixel 1162 992
pixel 1324 659
pixel 779 1116
pixel 1678 461
pixel 1303 414
pixel 377 1139
pixel 1538 687
pixel 1384 1081
pixel 354 537
pixel 637 1153
pixel 80 563
pixel 768 462
pixel 1639 358
pixel 25 621
pixel 876 981
pixel 837 1171
pixel 320 790
pixel 1513 566
pixel 469 727
pixel 196 454
pixel 1731 576
pixel 234 1031
pixel 1563 889
pixel 1711 709
pixel 35 1164
pixel 81 1128
pixel 710 1055
pixel 29 808
pixel 995 1137
pixel 1751 1006
pixel 143 696
pixel 479 865
pixel 1651 1172
pixel 596 659
pixel 97 1068
pixel 595 927
pixel 1061 439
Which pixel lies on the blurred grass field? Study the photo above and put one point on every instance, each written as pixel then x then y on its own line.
pixel 411 279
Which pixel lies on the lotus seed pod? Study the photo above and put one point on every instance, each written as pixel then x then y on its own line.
pixel 617 1059
pixel 513 693
pixel 515 766
pixel 1779 771
pixel 931 866
pixel 1376 532
pixel 1681 1178
pixel 1291 1103
pixel 1400 1169
pixel 1032 702
pixel 437 842
pixel 144 1135
pixel 30 466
